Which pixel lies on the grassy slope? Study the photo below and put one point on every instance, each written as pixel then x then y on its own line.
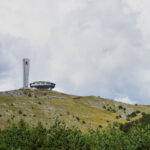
pixel 45 106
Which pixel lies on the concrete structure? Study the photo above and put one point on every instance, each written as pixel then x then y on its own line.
pixel 26 65
pixel 42 85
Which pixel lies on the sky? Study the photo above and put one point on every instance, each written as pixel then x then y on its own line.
pixel 86 47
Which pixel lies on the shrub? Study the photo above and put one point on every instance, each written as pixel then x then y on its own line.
pixel 143 113
pixel 29 95
pixel 116 124
pixel 114 111
pixel 76 97
pixel 13 117
pixel 45 94
pixel 12 104
pixel 104 107
pixel 78 118
pixel 83 122
pixel 20 112
pixel 100 126
pixel 133 114
pixel 128 119
pixel 117 117
pixel 138 111
pixel 120 107
pixel 24 93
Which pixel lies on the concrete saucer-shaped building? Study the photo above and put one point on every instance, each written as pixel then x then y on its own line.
pixel 42 85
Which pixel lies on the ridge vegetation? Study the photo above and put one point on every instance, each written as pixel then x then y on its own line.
pixel 21 136
pixel 82 112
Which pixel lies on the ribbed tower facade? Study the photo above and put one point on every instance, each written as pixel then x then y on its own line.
pixel 26 65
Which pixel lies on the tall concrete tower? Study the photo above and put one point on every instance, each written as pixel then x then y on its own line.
pixel 26 65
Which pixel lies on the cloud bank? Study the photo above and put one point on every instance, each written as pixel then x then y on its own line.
pixel 86 47
pixel 124 100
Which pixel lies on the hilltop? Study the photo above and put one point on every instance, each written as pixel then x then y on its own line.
pixel 83 112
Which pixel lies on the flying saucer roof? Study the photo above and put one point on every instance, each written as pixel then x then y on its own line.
pixel 42 84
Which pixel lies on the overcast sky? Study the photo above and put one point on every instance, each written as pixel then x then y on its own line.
pixel 86 47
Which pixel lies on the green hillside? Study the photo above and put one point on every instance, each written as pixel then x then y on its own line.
pixel 83 112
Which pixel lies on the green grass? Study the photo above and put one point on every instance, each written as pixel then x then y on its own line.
pixel 46 106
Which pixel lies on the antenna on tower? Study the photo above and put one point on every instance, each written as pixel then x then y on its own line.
pixel 26 65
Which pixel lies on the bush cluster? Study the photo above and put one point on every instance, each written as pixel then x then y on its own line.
pixel 140 123
pixel 21 136
pixel 120 107
pixel 134 114
pixel 109 108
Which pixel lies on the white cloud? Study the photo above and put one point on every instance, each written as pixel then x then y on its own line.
pixel 7 84
pixel 124 100
pixel 86 47
pixel 143 22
